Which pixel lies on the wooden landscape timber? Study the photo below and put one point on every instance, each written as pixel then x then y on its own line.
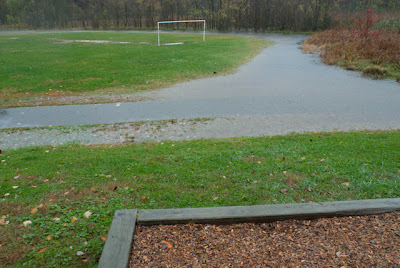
pixel 115 250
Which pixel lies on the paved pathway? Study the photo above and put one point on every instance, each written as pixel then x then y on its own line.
pixel 280 82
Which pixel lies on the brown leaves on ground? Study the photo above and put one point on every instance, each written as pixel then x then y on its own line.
pixel 3 220
pixel 165 245
pixel 34 210
pixel 367 241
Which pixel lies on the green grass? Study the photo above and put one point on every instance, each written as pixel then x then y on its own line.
pixel 375 71
pixel 33 65
pixel 65 182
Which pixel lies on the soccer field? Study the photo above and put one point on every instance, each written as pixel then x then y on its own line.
pixel 37 65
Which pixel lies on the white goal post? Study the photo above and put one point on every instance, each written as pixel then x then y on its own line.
pixel 179 21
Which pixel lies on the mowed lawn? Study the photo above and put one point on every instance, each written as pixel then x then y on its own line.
pixel 51 65
pixel 67 195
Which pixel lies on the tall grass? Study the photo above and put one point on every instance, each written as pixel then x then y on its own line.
pixel 367 46
pixel 379 47
pixel 390 24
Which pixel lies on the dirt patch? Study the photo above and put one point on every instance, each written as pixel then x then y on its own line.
pixel 55 97
pixel 252 159
pixel 292 179
pixel 18 75
pixel 361 241
pixel 89 79
pixel 63 41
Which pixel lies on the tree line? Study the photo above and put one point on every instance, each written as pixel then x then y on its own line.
pixel 257 15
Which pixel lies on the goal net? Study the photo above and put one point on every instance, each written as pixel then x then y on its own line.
pixel 181 21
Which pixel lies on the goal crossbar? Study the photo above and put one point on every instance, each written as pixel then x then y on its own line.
pixel 178 21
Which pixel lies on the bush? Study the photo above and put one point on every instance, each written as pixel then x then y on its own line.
pixel 364 47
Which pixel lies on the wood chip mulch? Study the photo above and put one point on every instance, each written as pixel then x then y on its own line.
pixel 358 241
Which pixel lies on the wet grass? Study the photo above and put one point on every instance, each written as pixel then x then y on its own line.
pixel 54 186
pixel 46 66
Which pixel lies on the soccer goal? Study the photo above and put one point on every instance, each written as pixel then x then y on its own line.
pixel 179 21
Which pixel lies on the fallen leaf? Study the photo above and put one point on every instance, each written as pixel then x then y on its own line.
pixel 7 194
pixel 322 160
pixel 15 187
pixel 27 223
pixel 255 181
pixel 93 189
pixel 46 180
pixel 259 162
pixel 74 219
pixel 303 158
pixel 104 238
pixel 134 158
pixel 34 186
pixel 3 220
pixel 214 197
pixel 152 162
pixel 56 219
pixel 34 210
pixel 346 183
pixel 42 250
pixel 284 172
pixel 166 245
pixel 143 198
pixel 87 214
pixel 315 132
pixel 17 177
pixel 283 191
pixel 49 237
pixel 80 253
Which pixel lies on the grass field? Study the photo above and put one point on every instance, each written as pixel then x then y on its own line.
pixel 48 66
pixel 53 187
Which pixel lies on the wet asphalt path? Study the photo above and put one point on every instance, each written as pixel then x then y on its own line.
pixel 280 81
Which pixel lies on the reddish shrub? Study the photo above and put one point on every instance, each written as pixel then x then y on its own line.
pixel 361 43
